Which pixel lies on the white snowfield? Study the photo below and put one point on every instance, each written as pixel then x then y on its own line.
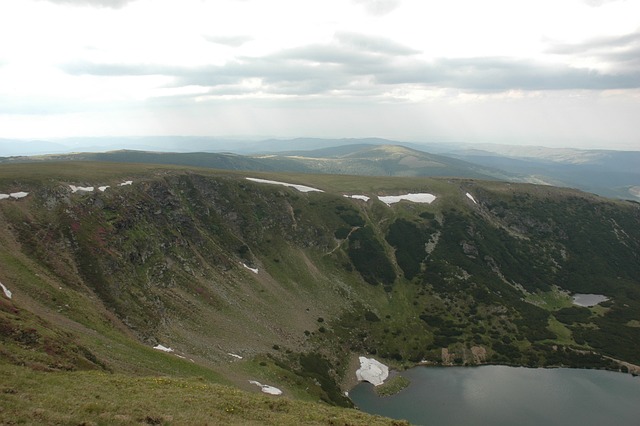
pixel 301 188
pixel 6 291
pixel 469 196
pixel 415 198
pixel 75 189
pixel 372 371
pixel 266 388
pixel 358 197
pixel 254 270
pixel 234 355
pixel 16 195
pixel 162 348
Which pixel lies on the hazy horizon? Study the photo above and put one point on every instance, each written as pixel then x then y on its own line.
pixel 253 145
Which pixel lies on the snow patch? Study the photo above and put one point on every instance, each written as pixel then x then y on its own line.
pixel 6 291
pixel 301 188
pixel 75 189
pixel 234 355
pixel 103 188
pixel 266 388
pixel 469 196
pixel 358 197
pixel 162 348
pixel 372 371
pixel 254 270
pixel 416 198
pixel 16 195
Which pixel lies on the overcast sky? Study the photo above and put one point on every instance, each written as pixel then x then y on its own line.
pixel 544 72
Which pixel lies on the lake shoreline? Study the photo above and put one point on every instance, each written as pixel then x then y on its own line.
pixel 350 381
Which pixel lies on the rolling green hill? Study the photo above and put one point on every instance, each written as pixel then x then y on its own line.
pixel 381 160
pixel 246 280
pixel 358 159
pixel 607 173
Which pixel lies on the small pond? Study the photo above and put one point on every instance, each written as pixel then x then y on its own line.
pixel 588 300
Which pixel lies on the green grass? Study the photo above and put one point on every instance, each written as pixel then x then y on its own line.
pixel 599 310
pixel 31 397
pixel 93 173
pixel 264 370
pixel 560 330
pixel 550 300
pixel 392 386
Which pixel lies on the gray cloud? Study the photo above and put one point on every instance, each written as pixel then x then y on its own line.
pixel 373 44
pixel 104 69
pixel 277 76
pixel 619 52
pixel 348 49
pixel 327 54
pixel 232 41
pixel 601 44
pixel 360 66
pixel 500 74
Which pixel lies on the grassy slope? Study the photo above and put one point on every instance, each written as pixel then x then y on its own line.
pixel 308 296
pixel 32 397
pixel 52 325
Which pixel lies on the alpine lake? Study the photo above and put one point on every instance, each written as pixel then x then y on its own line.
pixel 500 395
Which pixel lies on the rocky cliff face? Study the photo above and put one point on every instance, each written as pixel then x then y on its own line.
pixel 211 264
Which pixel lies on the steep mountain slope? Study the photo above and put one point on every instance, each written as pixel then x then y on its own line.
pixel 218 268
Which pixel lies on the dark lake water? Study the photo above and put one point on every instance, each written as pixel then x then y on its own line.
pixel 498 395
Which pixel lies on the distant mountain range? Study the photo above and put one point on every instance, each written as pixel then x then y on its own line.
pixel 604 172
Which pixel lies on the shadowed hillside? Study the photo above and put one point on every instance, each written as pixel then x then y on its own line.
pixel 247 280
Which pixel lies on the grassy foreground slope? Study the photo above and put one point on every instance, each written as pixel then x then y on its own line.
pixel 90 397
pixel 250 281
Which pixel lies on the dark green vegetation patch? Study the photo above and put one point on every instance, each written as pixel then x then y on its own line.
pixel 369 257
